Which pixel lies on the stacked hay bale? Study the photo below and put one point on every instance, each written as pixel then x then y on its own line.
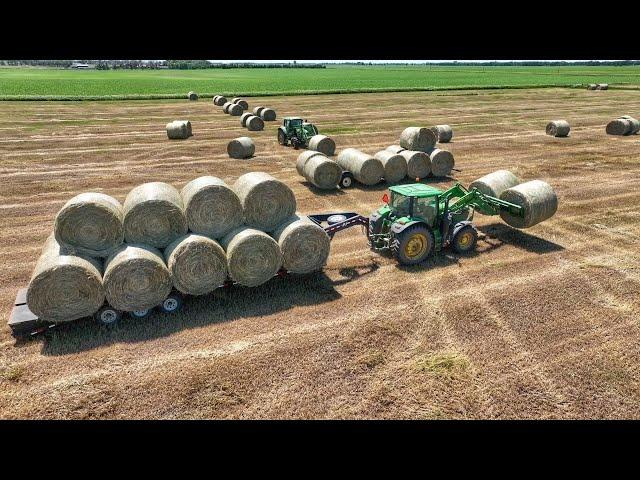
pixel 416 142
pixel 323 144
pixel 192 96
pixel 319 170
pixel 495 183
pixel 395 166
pixel 624 125
pixel 442 162
pixel 241 147
pixel 558 128
pixel 179 129
pixel 365 168
pixel 444 133
pixel 303 243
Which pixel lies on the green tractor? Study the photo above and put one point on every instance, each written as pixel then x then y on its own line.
pixel 296 131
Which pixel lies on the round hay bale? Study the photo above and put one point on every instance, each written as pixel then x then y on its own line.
pixel 215 99
pixel 635 124
pixel 395 148
pixel 417 138
pixel 220 101
pixel 268 114
pixel 254 124
pixel 243 118
pixel 197 264
pixel 365 168
pixel 395 165
pixel 225 107
pixel 592 86
pixel 64 287
pixel 234 110
pixel 319 170
pixel 154 215
pixel 136 278
pixel 242 104
pixel 538 199
pixel 442 162
pixel 266 201
pixel 211 207
pixel 257 111
pixel 90 224
pixel 241 147
pixel 619 126
pixel 253 257
pixel 603 86
pixel 322 143
pixel 304 244
pixel 235 99
pixel 495 183
pixel 192 96
pixel 558 128
pixel 444 133
pixel 179 130
pixel 418 163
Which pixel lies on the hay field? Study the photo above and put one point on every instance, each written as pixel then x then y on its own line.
pixel 542 323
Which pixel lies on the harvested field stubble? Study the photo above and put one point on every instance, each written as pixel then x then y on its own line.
pixel 550 331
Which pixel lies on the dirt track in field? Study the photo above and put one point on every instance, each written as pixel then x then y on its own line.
pixel 541 323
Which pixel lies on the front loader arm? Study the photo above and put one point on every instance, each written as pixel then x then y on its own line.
pixel 485 204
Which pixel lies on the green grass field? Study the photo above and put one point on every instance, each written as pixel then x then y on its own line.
pixel 61 84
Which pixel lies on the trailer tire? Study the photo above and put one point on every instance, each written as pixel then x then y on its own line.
pixel 138 314
pixel 413 245
pixel 107 316
pixel 465 239
pixel 346 180
pixel 171 304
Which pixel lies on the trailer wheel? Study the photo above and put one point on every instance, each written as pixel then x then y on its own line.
pixel 346 180
pixel 107 316
pixel 333 219
pixel 171 304
pixel 465 239
pixel 140 313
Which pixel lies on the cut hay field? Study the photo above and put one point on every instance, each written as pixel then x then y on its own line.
pixel 48 83
pixel 542 323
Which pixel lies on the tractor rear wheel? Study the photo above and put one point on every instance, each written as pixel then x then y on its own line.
pixel 465 239
pixel 413 245
pixel 282 140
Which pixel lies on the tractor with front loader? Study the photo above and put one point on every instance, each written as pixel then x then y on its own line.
pixel 296 131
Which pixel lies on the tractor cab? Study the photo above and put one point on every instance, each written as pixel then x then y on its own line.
pixel 414 202
pixel 290 123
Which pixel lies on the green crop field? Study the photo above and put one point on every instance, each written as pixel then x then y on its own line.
pixel 32 83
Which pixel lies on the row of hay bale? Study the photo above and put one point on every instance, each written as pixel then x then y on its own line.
pixel 623 125
pixel 235 107
pixel 598 86
pixel 251 122
pixel 133 254
pixel 265 113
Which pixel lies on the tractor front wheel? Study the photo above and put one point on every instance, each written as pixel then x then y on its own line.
pixel 413 245
pixel 465 239
pixel 282 140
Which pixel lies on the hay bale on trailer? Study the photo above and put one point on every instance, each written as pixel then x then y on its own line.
pixel 558 128
pixel 323 144
pixel 418 138
pixel 211 207
pixel 538 199
pixel 197 264
pixel 192 96
pixel 90 224
pixel 266 201
pixel 395 165
pixel 244 117
pixel 136 278
pixel 304 244
pixel 395 148
pixel 179 130
pixel 241 147
pixel 418 163
pixel 254 124
pixel 268 114
pixel 442 162
pixel 444 133
pixel 495 183
pixel 257 111
pixel 620 126
pixel 219 100
pixel 64 287
pixel 154 215
pixel 365 168
pixel 319 170
pixel 253 257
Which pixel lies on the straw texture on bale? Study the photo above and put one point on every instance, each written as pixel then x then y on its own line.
pixel 304 244
pixel 234 110
pixel 319 170
pixel 395 165
pixel 444 133
pixel 211 207
pixel 242 104
pixel 442 162
pixel 253 257
pixel 193 96
pixel 538 199
pixel 179 129
pixel 322 143
pixel 603 86
pixel 619 126
pixel 64 287
pixel 266 201
pixel 558 128
pixel 365 168
pixel 243 118
pixel 257 111
pixel 395 148
pixel 136 278
pixel 225 107
pixel 90 224
pixel 635 124
pixel 418 163
pixel 154 215
pixel 495 183
pixel 197 264
pixel 241 147
pixel 220 100
pixel 417 138
pixel 254 124
pixel 268 114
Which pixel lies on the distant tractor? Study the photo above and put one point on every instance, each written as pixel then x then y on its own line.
pixel 296 131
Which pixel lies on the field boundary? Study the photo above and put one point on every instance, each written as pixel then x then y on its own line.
pixel 182 96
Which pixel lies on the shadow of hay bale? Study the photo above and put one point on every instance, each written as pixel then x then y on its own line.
pixel 519 238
